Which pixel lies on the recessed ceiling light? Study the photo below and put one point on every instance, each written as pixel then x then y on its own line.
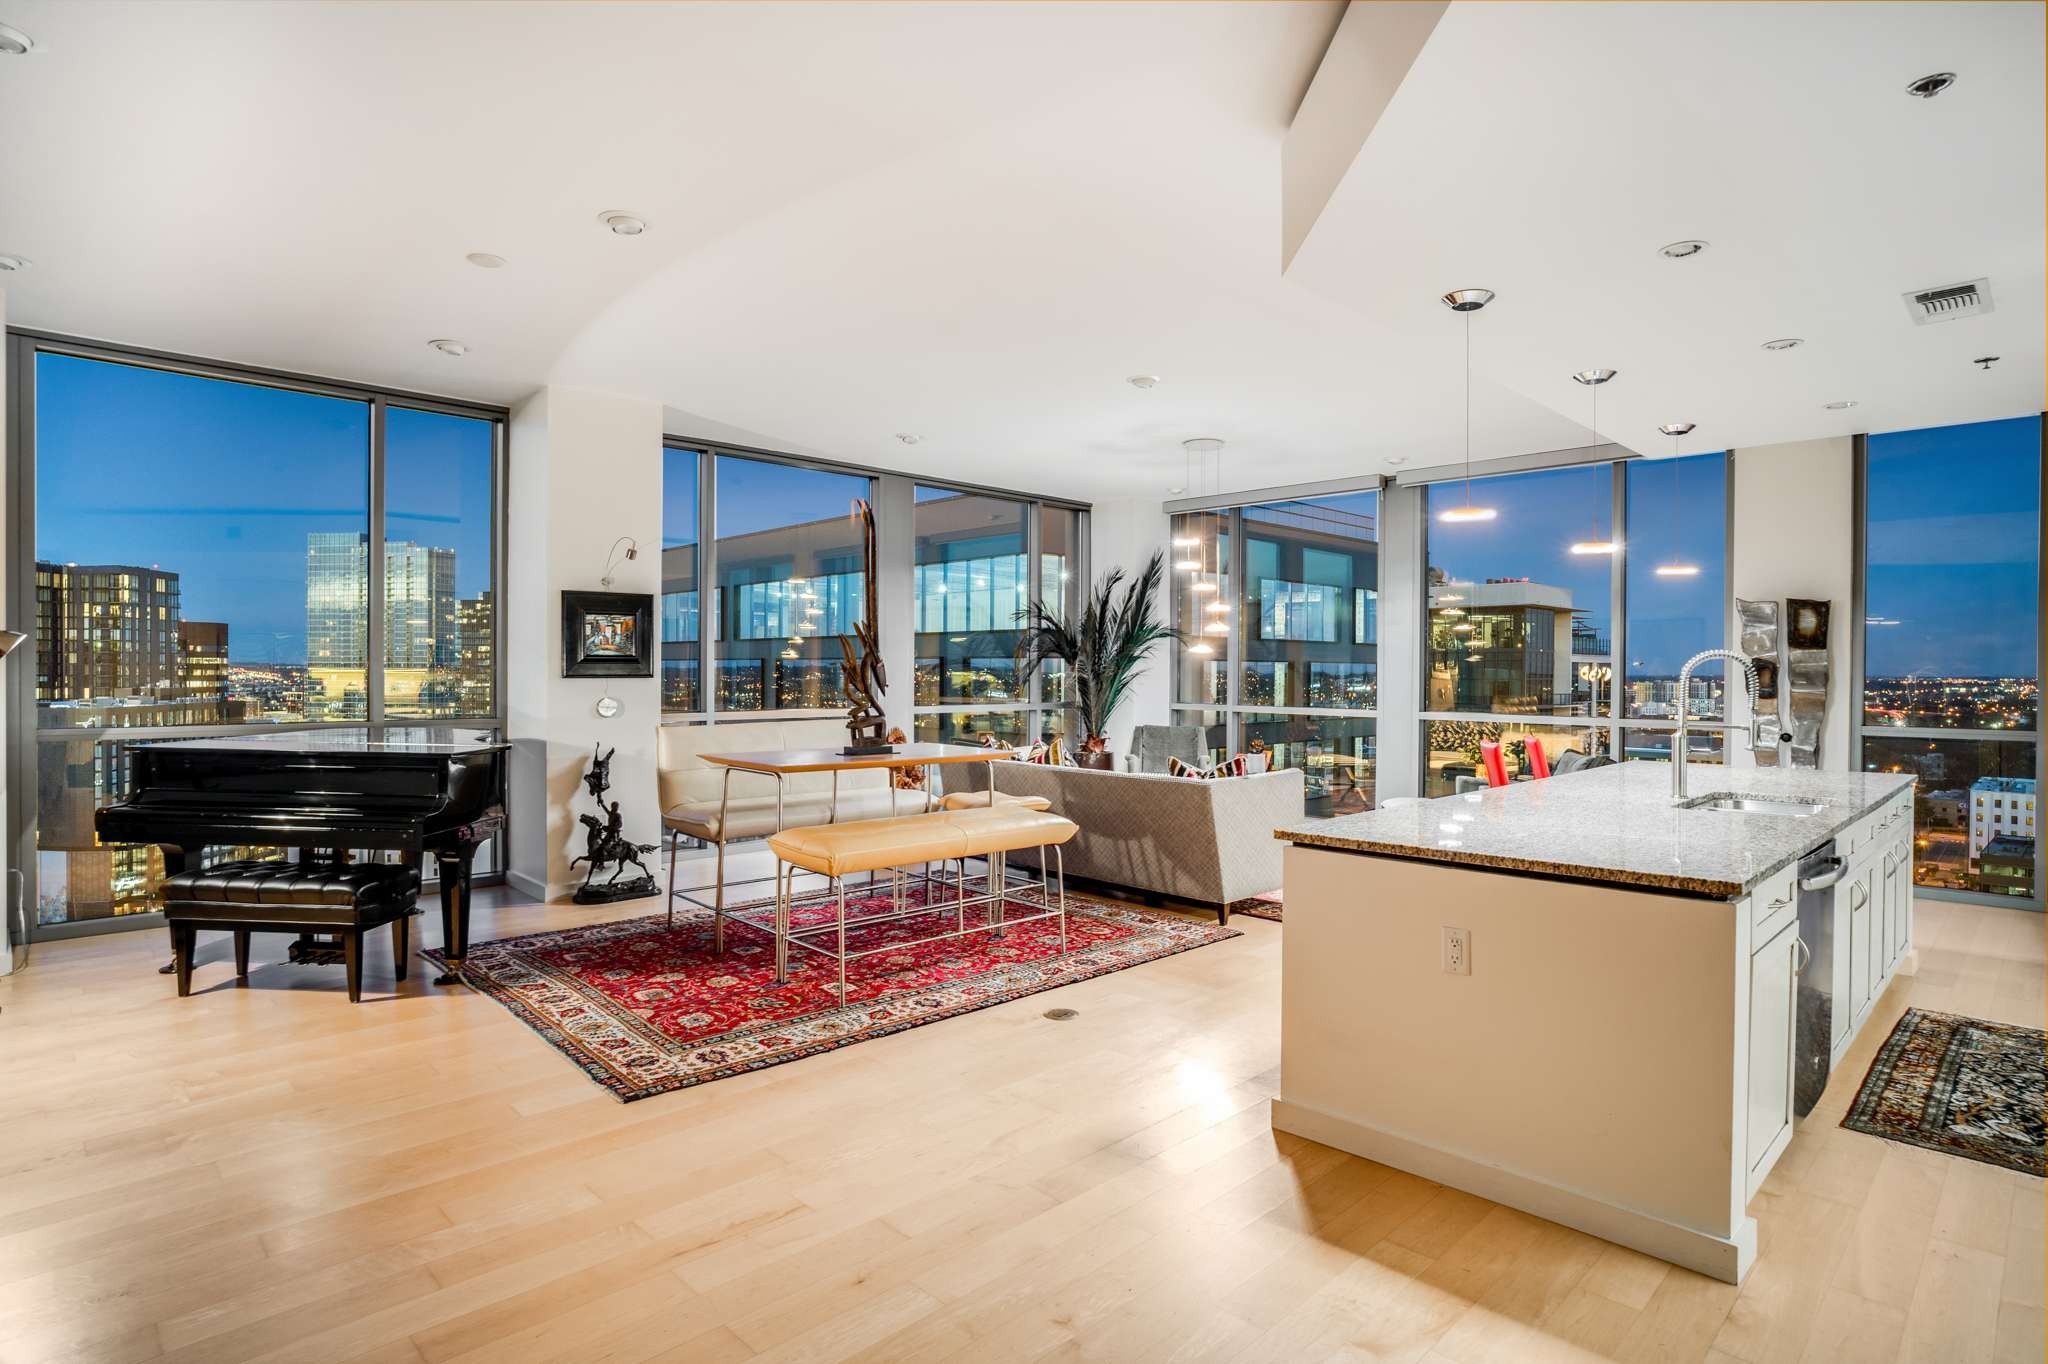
pixel 906 438
pixel 1927 87
pixel 1397 459
pixel 1175 492
pixel 622 223
pixel 486 260
pixel 448 347
pixel 1785 343
pixel 1680 250
pixel 1841 405
pixel 13 264
pixel 1143 381
pixel 15 43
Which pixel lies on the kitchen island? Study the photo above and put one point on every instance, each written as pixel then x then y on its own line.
pixel 1575 998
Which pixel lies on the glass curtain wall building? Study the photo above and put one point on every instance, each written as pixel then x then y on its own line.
pixel 1951 590
pixel 1278 609
pixel 207 548
pixel 786 557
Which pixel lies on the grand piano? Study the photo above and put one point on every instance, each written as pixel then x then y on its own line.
pixel 415 790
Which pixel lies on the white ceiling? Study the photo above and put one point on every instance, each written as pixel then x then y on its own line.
pixel 1547 151
pixel 973 222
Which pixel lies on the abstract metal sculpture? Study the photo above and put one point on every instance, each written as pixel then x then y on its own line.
pixel 862 652
pixel 607 844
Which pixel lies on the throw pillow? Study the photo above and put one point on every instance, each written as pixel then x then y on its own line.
pixel 1230 767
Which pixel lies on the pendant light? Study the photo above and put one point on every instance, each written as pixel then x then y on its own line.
pixel 1210 584
pixel 1468 302
pixel 1592 379
pixel 1678 566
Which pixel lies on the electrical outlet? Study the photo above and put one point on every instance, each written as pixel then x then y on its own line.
pixel 1457 952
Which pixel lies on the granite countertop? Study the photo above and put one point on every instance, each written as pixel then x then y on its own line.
pixel 1617 824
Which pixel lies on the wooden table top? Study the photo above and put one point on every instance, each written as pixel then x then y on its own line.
pixel 788 760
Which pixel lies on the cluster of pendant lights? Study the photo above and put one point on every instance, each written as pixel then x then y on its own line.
pixel 1470 301
pixel 1204 562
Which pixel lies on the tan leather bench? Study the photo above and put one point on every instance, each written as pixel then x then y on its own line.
pixel 837 851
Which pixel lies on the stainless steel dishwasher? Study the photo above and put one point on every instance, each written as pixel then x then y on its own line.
pixel 1813 1029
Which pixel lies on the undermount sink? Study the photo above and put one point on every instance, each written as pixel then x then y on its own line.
pixel 1754 805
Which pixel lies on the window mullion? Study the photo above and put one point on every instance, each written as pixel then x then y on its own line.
pixel 374 642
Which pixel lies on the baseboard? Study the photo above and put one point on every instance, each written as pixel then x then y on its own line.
pixel 1724 1259
pixel 528 886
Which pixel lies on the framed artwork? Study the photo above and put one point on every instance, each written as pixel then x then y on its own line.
pixel 607 634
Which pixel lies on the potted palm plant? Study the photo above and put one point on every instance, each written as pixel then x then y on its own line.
pixel 1102 651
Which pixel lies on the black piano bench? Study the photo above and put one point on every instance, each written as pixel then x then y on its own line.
pixel 291 897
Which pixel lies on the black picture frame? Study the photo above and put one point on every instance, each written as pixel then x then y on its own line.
pixel 607 634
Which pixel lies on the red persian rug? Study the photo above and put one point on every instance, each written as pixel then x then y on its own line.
pixel 1262 906
pixel 644 1009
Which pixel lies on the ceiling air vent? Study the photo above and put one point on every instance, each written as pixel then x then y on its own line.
pixel 1949 302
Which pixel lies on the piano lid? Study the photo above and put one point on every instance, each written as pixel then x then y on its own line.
pixel 341 741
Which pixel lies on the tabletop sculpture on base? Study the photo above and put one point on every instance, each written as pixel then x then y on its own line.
pixel 608 845
pixel 862 655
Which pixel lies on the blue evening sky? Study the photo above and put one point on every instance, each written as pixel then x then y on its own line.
pixel 1540 516
pixel 222 482
pixel 1955 517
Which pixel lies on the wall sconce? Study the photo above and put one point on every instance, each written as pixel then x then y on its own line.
pixel 612 559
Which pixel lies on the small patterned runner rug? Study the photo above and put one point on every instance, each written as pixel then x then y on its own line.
pixel 1265 905
pixel 1959 1085
pixel 644 1009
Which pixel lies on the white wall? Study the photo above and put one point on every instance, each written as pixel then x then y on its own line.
pixel 585 470
pixel 1124 534
pixel 1795 536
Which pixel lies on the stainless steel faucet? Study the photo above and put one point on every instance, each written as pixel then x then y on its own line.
pixel 1678 744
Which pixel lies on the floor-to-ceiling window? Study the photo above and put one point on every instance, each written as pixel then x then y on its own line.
pixel 199 552
pixel 972 580
pixel 1278 608
pixel 972 557
pixel 790 583
pixel 1675 592
pixel 682 651
pixel 782 544
pixel 1520 613
pixel 1951 646
pixel 1567 616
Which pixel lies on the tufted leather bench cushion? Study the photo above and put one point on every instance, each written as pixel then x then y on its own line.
pixel 291 892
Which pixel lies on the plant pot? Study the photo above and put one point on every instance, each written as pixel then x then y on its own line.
pixel 1101 760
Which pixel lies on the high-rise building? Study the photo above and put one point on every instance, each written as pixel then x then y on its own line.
pixel 422 631
pixel 419 603
pixel 476 637
pixel 202 659
pixel 337 599
pixel 105 630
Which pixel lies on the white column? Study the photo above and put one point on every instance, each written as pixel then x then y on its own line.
pixel 1795 536
pixel 585 470
pixel 1124 534
pixel 895 595
pixel 1402 631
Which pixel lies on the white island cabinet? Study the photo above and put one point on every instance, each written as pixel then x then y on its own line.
pixel 1615 1043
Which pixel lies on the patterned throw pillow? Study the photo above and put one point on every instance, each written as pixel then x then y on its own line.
pixel 1041 753
pixel 1231 767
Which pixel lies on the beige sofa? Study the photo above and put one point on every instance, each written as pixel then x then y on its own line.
pixel 695 802
pixel 1207 841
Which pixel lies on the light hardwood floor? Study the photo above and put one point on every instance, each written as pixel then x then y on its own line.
pixel 268 1173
